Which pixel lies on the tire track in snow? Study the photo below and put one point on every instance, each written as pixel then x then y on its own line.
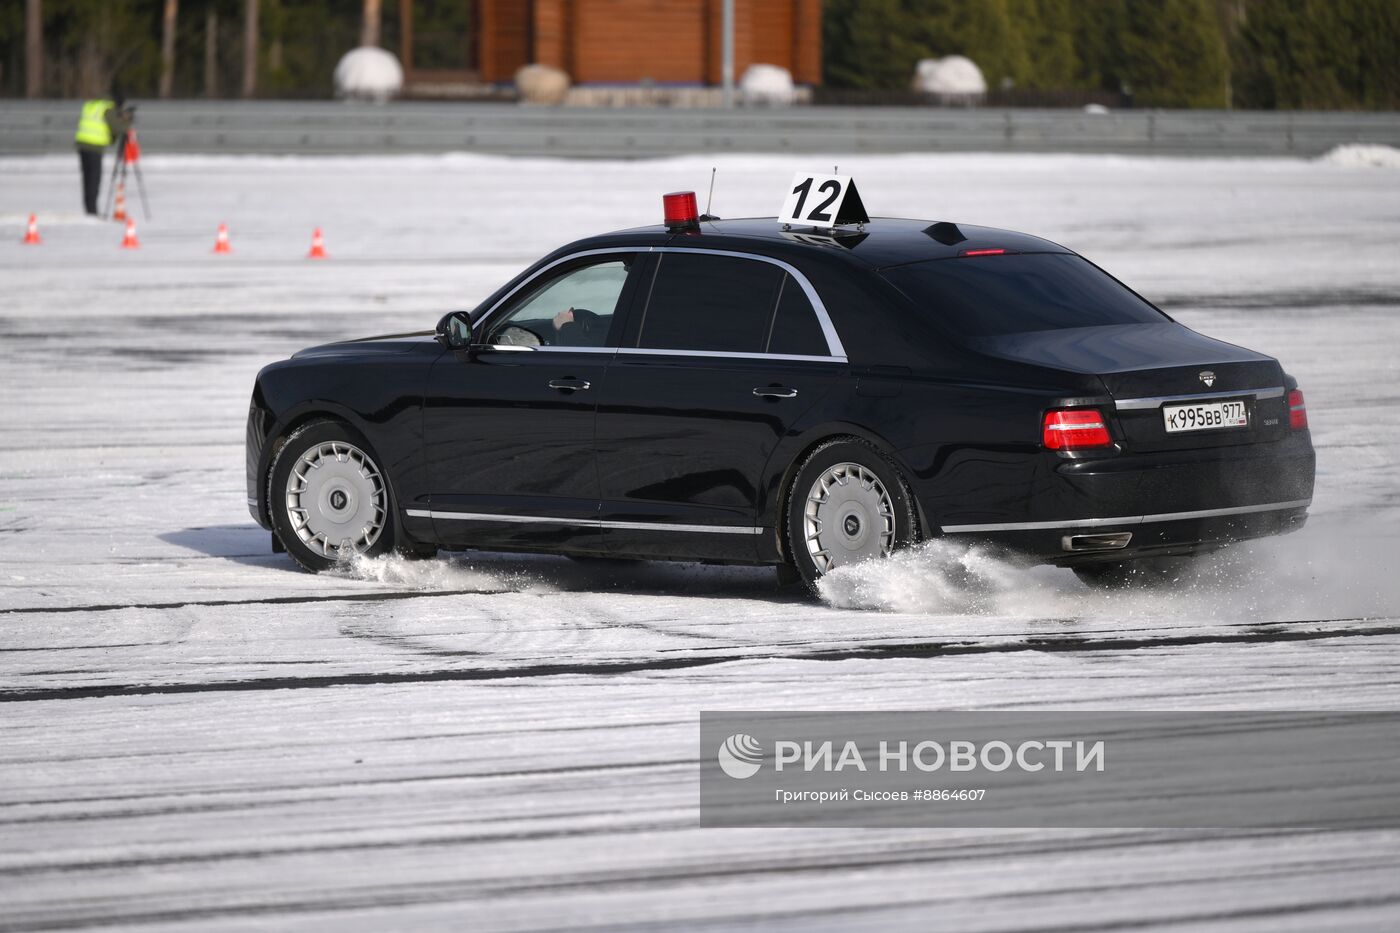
pixel 398 896
pixel 1255 634
pixel 377 596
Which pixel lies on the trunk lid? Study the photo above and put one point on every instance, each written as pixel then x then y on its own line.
pixel 1147 367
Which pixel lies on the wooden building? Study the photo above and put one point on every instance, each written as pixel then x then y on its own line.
pixel 675 42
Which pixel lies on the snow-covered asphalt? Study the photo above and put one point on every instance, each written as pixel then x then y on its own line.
pixel 193 733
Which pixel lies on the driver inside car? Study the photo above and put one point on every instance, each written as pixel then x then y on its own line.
pixel 573 327
pixel 578 327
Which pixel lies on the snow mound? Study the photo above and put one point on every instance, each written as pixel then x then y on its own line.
pixel 767 85
pixel 368 73
pixel 954 77
pixel 541 84
pixel 1364 156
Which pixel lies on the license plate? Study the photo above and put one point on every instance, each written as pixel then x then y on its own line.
pixel 1206 416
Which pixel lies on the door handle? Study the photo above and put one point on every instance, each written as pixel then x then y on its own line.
pixel 570 384
pixel 774 392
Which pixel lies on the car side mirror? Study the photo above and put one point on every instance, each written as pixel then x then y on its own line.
pixel 455 330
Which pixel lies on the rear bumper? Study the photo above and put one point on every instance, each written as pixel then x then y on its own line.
pixel 1126 506
pixel 1148 535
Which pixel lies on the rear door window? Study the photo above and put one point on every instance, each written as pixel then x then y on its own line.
pixel 796 330
pixel 710 303
pixel 990 296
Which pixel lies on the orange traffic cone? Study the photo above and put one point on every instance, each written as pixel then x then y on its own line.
pixel 129 241
pixel 318 246
pixel 221 240
pixel 120 212
pixel 31 236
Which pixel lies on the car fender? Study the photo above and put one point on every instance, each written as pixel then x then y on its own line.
pixel 788 456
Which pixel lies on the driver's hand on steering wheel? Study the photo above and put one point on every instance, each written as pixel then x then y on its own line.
pixel 563 317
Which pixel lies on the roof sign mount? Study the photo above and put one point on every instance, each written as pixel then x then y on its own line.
pixel 823 202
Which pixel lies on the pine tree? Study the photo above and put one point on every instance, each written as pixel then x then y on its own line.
pixel 1174 53
pixel 1049 39
pixel 1319 55
pixel 866 44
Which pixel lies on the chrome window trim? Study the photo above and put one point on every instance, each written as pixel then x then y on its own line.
pixel 1137 404
pixel 730 355
pixel 833 340
pixel 585 522
pixel 506 348
pixel 1130 519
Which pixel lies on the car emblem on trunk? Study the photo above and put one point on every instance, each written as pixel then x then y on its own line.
pixel 1208 378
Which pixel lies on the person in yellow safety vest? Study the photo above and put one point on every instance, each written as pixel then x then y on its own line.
pixel 101 122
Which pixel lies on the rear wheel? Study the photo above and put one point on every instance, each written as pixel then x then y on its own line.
pixel 847 504
pixel 328 498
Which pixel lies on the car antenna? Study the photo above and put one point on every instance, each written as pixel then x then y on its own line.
pixel 711 197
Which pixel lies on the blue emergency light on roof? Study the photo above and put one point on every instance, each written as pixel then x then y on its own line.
pixel 680 210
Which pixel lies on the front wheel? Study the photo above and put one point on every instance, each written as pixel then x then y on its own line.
pixel 847 504
pixel 328 498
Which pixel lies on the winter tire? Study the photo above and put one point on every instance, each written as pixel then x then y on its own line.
pixel 846 504
pixel 328 498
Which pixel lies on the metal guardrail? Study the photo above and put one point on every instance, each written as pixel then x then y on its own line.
pixel 324 127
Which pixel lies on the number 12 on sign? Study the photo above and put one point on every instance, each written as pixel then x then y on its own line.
pixel 823 201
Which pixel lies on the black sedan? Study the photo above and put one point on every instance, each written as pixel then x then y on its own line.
pixel 734 391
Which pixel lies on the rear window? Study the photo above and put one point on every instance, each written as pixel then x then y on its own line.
pixel 994 295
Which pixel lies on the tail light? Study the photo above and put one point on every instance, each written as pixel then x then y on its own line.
pixel 1297 411
pixel 1075 429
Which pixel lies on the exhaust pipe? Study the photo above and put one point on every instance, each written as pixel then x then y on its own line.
pixel 1104 542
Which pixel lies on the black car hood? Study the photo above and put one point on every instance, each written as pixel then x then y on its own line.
pixel 388 343
pixel 1138 358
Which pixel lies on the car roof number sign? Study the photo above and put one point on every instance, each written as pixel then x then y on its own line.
pixel 822 201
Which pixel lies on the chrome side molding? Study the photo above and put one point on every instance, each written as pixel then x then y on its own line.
pixel 584 522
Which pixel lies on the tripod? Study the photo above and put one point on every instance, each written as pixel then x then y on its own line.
pixel 119 171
